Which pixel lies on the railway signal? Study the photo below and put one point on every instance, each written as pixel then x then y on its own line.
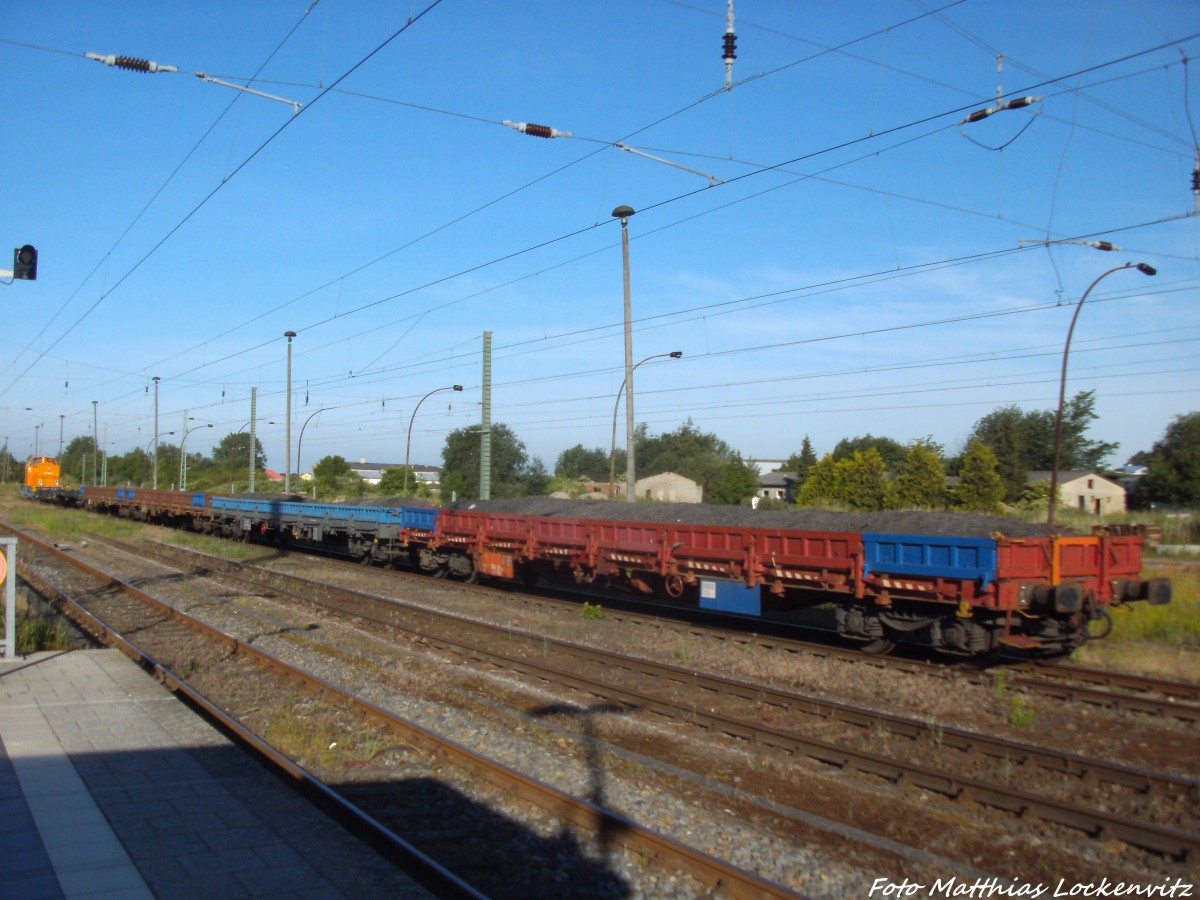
pixel 25 263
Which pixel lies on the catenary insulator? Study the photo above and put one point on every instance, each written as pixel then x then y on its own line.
pixel 132 63
pixel 730 46
pixel 1019 102
pixel 542 131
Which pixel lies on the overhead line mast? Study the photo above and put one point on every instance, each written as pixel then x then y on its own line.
pixel 730 46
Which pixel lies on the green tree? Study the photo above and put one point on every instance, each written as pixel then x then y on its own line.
pixel 392 483
pixel 231 460
pixel 1174 465
pixel 892 451
pixel 1006 431
pixel 460 463
pixel 1023 441
pixel 922 484
pixel 537 479
pixel 686 451
pixel 168 466
pixel 1078 450
pixel 333 477
pixel 980 488
pixel 234 450
pixel 864 481
pixel 134 467
pixel 737 482
pixel 592 465
pixel 801 462
pixel 824 485
pixel 76 459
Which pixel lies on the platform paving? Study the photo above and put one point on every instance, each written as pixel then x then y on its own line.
pixel 112 787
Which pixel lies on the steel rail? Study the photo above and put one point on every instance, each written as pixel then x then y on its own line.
pixel 421 867
pixel 1160 839
pixel 667 852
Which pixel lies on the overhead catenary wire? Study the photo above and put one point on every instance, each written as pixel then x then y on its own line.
pixel 766 168
pixel 354 367
pixel 270 139
pixel 756 172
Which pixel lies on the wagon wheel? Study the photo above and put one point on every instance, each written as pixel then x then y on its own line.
pixel 365 559
pixel 673 586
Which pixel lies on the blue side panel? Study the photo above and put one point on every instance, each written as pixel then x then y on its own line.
pixel 421 518
pixel 730 596
pixel 334 515
pixel 969 559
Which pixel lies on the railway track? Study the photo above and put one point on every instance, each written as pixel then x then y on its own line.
pixel 785 722
pixel 177 646
pixel 1096 688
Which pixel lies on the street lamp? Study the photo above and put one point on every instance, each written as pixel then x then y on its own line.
pixel 612 453
pixel 183 455
pixel 287 471
pixel 623 213
pixel 300 443
pixel 1062 384
pixel 412 418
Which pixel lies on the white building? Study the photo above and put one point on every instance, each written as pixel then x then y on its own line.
pixel 1086 491
pixel 670 488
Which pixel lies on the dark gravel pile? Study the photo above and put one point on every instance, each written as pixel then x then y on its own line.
pixel 269 495
pixel 389 502
pixel 944 524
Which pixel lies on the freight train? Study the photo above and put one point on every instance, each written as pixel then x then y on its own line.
pixel 956 583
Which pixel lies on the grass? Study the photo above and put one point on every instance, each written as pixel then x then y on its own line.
pixel 1160 641
pixel 38 634
pixel 214 546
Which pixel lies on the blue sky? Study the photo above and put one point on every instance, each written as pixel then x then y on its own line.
pixel 832 251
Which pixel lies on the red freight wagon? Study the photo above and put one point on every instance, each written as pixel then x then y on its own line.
pixel 645 556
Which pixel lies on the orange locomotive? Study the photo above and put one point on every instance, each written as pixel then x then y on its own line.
pixel 43 476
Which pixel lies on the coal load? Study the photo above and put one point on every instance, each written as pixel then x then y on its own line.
pixel 942 524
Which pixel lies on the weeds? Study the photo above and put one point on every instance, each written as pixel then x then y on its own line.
pixel 592 610
pixel 1022 713
pixel 34 635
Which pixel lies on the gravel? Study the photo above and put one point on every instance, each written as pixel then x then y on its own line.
pixel 943 524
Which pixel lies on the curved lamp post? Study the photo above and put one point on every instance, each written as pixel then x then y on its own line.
pixel 300 443
pixel 612 453
pixel 183 455
pixel 1062 384
pixel 408 446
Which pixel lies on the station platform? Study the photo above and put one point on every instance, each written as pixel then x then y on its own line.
pixel 112 787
